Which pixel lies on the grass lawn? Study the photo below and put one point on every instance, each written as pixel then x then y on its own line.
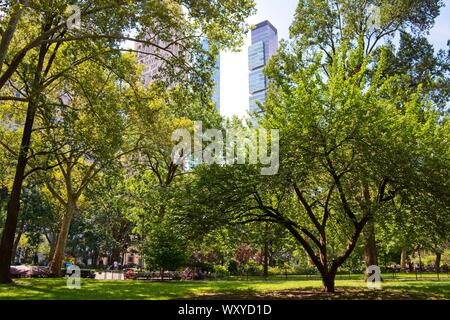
pixel 43 289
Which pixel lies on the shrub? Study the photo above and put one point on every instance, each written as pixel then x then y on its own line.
pixel 220 271
pixel 87 274
pixel 253 268
pixel 233 267
pixel 305 270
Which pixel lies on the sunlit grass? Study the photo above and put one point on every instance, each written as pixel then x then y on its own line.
pixel 44 289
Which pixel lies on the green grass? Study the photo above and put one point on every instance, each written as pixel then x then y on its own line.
pixel 44 289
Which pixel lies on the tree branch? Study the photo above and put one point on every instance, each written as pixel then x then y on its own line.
pixel 307 207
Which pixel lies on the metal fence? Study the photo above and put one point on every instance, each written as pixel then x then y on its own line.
pixel 387 275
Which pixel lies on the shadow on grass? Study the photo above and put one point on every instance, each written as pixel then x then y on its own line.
pixel 55 289
pixel 430 290
pixel 317 294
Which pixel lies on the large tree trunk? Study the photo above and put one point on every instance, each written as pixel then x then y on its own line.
pixel 437 263
pixel 266 259
pixel 56 264
pixel 266 252
pixel 420 259
pixel 12 214
pixel 328 282
pixel 16 245
pixel 94 258
pixel 403 258
pixel 9 231
pixel 116 255
pixel 52 249
pixel 370 248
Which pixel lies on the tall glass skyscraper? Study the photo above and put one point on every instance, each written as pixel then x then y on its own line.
pixel 264 45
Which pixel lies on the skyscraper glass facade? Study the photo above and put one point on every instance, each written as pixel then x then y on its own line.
pixel 264 45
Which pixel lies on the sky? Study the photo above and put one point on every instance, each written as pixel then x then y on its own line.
pixel 234 66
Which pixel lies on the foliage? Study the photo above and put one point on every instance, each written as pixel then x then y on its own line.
pixel 233 267
pixel 47 68
pixel 363 125
pixel 220 271
pixel 164 250
pixel 349 148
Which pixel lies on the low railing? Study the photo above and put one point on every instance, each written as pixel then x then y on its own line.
pixel 174 275
pixel 386 274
